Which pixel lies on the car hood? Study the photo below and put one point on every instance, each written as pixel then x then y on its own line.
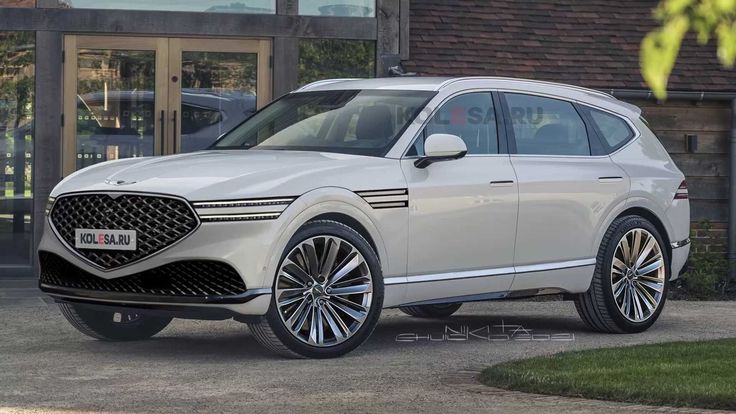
pixel 231 174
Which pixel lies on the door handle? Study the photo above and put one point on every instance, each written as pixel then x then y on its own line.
pixel 610 179
pixel 503 183
pixel 162 120
pixel 175 130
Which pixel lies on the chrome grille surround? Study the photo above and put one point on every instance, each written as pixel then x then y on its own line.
pixel 160 221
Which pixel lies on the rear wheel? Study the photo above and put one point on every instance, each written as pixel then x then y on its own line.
pixel 111 325
pixel 328 294
pixel 629 287
pixel 431 311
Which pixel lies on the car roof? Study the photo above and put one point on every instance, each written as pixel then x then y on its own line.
pixel 420 83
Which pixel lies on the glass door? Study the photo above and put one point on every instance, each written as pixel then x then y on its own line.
pixel 114 95
pixel 220 83
pixel 136 96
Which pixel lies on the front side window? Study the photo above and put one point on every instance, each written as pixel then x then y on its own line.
pixel 360 122
pixel 472 118
pixel 614 130
pixel 546 126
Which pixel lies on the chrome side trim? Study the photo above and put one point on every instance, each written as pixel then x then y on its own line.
pixel 681 243
pixel 436 277
pixel 542 267
pixel 393 198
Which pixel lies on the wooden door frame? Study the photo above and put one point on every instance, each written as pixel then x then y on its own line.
pixel 168 63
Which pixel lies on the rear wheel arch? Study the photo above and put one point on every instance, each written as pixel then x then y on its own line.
pixel 654 219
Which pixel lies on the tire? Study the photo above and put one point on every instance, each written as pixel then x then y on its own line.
pixel 618 282
pixel 308 297
pixel 431 311
pixel 102 325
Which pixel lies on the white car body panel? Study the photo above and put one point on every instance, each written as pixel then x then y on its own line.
pixel 480 227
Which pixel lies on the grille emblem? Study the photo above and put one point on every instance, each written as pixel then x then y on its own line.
pixel 119 182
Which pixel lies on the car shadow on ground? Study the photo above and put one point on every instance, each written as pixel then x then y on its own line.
pixel 236 343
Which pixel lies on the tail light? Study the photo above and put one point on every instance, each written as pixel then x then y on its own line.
pixel 681 193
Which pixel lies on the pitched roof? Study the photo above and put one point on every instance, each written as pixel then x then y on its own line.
pixel 592 43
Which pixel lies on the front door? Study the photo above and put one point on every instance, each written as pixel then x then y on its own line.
pixel 462 213
pixel 138 96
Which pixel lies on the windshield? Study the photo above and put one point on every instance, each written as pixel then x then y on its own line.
pixel 361 122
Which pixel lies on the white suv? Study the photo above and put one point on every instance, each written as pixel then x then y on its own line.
pixel 349 196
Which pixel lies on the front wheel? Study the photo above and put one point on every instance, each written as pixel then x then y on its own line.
pixel 629 287
pixel 327 294
pixel 111 325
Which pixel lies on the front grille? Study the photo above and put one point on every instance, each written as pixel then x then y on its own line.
pixel 192 278
pixel 158 221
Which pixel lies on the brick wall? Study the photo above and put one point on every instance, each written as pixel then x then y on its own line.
pixel 709 237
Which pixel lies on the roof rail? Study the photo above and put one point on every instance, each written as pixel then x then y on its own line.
pixel 559 85
pixel 324 82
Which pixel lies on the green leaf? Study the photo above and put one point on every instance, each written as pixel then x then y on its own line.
pixel 659 51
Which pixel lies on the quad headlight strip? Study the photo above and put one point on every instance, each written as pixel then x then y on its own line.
pixel 242 210
pixel 379 199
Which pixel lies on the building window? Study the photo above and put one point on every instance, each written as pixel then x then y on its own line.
pixel 325 59
pixel 344 8
pixel 210 6
pixel 17 83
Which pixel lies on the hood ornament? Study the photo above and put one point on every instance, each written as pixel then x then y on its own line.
pixel 118 182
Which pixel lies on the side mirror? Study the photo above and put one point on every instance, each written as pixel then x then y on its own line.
pixel 441 147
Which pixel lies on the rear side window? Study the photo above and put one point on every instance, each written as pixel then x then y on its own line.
pixel 614 130
pixel 546 126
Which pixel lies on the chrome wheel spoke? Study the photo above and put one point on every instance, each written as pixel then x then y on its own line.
pixel 638 275
pixel 324 291
pixel 351 290
pixel 656 286
pixel 649 268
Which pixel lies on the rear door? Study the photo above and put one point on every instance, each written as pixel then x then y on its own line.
pixel 567 184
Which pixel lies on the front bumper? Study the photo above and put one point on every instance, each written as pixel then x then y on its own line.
pixel 244 246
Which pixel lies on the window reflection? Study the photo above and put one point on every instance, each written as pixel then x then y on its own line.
pixel 17 82
pixel 344 8
pixel 115 105
pixel 209 6
pixel 333 58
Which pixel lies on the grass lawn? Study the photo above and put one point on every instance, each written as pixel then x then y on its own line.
pixel 680 374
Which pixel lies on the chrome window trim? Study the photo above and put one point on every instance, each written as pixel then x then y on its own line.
pixel 438 277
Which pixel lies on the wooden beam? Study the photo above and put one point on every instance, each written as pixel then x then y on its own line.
pixel 387 36
pixel 285 65
pixel 171 23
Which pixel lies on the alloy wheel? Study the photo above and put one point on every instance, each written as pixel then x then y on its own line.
pixel 638 275
pixel 324 291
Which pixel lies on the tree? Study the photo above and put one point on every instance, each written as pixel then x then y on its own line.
pixel 706 18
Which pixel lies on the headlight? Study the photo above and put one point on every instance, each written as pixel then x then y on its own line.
pixel 242 210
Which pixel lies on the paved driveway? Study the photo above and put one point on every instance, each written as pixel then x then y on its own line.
pixel 217 366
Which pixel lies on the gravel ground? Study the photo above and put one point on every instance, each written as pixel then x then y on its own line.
pixel 46 366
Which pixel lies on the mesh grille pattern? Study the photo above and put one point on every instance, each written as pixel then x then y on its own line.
pixel 158 221
pixel 194 278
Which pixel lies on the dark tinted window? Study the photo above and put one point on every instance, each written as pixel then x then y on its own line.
pixel 471 117
pixel 546 126
pixel 361 122
pixel 614 130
